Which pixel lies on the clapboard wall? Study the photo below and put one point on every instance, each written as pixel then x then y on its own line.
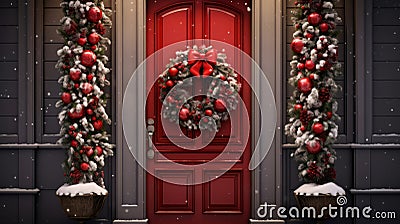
pixel 369 46
pixel 29 158
pixel 386 70
pixel 10 73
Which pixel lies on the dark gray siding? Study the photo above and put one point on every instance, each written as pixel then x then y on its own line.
pixel 386 68
pixel 28 117
pixel 9 75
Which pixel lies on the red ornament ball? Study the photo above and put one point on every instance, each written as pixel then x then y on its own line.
pixel 170 83
pixel 86 88
pixel 329 115
pixel 74 143
pixel 303 128
pixel 66 98
pixel 88 58
pixel 310 65
pixel 300 66
pixel 99 150
pixel 318 128
pixel 324 27
pixel 297 45
pixel 89 151
pixel 84 166
pixel 75 74
pixel 219 105
pixel 313 146
pixel 208 112
pixel 173 71
pixel 76 85
pixel 298 107
pixel 89 77
pixel 309 35
pixel 184 114
pixel 94 14
pixel 93 38
pixel 312 76
pixel 89 111
pixel 304 85
pixel 314 18
pixel 98 125
pixel 76 114
pixel 82 41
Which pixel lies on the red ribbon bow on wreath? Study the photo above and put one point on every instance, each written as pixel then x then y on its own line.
pixel 202 61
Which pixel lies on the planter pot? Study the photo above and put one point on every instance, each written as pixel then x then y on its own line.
pixel 82 207
pixel 317 202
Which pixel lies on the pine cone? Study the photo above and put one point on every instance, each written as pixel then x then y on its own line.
pixel 324 95
pixel 314 173
pixel 305 117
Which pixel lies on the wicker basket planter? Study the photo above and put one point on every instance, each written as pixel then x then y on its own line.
pixel 317 202
pixel 82 207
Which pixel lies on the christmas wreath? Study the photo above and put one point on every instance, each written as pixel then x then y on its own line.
pixel 205 111
pixel 312 108
pixel 82 63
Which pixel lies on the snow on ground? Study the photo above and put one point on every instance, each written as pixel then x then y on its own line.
pixel 81 189
pixel 324 189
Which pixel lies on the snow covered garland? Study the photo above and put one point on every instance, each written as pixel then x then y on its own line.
pixel 200 111
pixel 312 108
pixel 81 63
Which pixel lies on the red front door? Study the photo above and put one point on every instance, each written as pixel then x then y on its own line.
pixel 227 198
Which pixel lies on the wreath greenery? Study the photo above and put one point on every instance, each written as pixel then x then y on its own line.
pixel 207 110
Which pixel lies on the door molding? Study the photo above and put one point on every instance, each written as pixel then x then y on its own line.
pixel 267 49
pixel 130 52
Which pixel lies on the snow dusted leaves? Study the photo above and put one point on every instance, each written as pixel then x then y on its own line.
pixel 82 79
pixel 209 106
pixel 312 108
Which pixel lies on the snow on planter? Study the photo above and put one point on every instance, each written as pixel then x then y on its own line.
pixel 81 189
pixel 329 188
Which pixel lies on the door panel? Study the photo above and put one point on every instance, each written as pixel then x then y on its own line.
pixel 224 194
pixel 182 198
pixel 227 198
pixel 175 25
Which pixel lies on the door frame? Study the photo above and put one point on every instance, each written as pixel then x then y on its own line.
pixel 130 51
